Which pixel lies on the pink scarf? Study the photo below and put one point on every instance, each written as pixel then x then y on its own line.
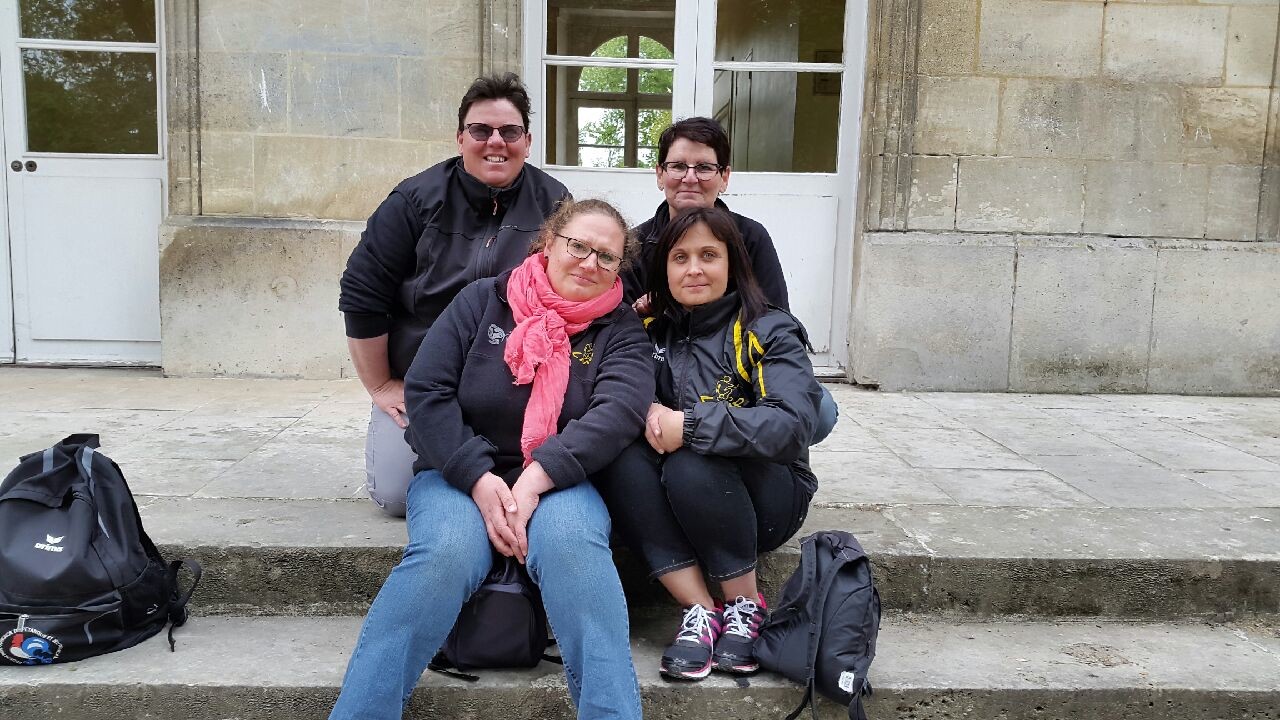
pixel 538 349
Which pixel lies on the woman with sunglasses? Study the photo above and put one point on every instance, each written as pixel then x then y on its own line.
pixel 527 384
pixel 692 171
pixel 471 216
pixel 719 476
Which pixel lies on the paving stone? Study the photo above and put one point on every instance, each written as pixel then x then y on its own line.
pixel 1179 449
pixel 321 471
pixel 1008 488
pixel 1257 436
pixel 1125 480
pixel 179 477
pixel 991 405
pixel 1035 37
pixel 1047 436
pixel 950 448
pixel 848 435
pixel 871 479
pixel 208 438
pixel 1255 488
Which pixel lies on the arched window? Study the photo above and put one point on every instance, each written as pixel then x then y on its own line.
pixel 620 112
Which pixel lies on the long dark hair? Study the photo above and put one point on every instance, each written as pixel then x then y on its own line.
pixel 741 277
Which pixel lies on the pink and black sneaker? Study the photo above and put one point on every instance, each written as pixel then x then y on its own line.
pixel 689 656
pixel 735 650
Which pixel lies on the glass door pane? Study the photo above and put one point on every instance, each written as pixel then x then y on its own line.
pixel 94 20
pixel 753 31
pixel 90 102
pixel 780 121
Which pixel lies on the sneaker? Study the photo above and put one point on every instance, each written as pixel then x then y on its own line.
pixel 689 656
pixel 735 650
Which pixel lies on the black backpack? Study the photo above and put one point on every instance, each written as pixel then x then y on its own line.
pixel 78 575
pixel 502 625
pixel 822 634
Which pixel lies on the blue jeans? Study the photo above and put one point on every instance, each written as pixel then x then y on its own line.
pixel 447 559
pixel 828 413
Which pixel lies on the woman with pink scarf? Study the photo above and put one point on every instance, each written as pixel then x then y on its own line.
pixel 527 384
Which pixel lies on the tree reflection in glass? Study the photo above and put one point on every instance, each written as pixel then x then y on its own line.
pixel 101 20
pixel 90 102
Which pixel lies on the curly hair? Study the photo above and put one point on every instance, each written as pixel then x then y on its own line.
pixel 570 208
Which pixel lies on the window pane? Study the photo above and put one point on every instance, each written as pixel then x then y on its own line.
pixel 780 121
pixel 598 79
pixel 590 123
pixel 112 20
pixel 582 27
pixel 90 102
pixel 797 31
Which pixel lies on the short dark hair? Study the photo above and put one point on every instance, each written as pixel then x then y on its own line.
pixel 741 277
pixel 506 86
pixel 704 130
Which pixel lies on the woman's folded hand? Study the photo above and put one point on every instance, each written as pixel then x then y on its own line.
pixel 533 481
pixel 495 501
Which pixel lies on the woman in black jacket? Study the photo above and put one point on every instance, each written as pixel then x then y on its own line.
pixel 722 471
pixel 527 384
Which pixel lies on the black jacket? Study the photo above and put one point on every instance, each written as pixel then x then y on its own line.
pixel 745 391
pixel 764 257
pixel 436 232
pixel 465 413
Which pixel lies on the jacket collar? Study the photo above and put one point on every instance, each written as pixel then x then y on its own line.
pixel 662 216
pixel 705 319
pixel 482 198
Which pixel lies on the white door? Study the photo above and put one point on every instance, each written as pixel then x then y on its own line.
pixel 81 82
pixel 784 79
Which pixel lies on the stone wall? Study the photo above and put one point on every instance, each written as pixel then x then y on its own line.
pixel 1068 196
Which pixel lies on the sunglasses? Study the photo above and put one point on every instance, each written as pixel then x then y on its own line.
pixel 482 132
pixel 582 251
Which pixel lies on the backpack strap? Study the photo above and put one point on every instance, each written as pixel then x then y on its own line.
pixel 86 468
pixel 178 599
pixel 440 664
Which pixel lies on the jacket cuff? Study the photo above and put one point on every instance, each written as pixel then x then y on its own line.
pixel 690 422
pixel 561 466
pixel 468 463
pixel 361 326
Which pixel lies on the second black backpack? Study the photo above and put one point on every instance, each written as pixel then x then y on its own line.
pixel 822 634
pixel 78 574
pixel 503 625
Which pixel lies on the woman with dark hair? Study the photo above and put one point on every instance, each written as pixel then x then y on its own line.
pixel 471 216
pixel 527 384
pixel 693 171
pixel 720 475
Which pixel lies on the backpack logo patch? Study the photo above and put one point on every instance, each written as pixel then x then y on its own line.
pixel 496 335
pixel 50 544
pixel 28 646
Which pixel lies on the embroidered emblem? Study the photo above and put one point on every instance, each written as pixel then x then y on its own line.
pixel 725 391
pixel 496 335
pixel 659 353
pixel 50 544
pixel 585 354
pixel 28 646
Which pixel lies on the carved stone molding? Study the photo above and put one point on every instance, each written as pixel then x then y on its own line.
pixel 182 95
pixel 890 112
pixel 501 31
pixel 1269 203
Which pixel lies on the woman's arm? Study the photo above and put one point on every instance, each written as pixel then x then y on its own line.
pixel 780 424
pixel 437 431
pixel 619 401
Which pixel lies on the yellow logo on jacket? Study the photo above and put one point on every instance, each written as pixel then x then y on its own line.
pixel 584 355
pixel 726 391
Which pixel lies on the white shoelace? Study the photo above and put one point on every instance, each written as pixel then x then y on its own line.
pixel 738 614
pixel 696 624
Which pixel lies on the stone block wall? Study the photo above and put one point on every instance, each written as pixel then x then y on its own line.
pixel 1122 119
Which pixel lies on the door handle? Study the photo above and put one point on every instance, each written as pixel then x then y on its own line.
pixel 16 165
pixel 31 166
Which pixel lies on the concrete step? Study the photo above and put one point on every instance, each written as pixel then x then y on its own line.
pixel 312 557
pixel 287 668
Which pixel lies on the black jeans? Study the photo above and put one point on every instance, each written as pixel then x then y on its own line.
pixel 683 508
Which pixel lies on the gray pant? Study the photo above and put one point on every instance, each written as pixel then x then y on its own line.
pixel 388 463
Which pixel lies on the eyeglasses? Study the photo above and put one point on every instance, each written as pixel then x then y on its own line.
pixel 702 171
pixel 582 251
pixel 483 131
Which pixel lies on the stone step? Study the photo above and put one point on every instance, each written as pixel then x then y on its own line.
pixel 290 668
pixel 311 557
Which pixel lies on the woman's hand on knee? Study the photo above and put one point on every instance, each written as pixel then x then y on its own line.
pixel 664 429
pixel 494 499
pixel 533 481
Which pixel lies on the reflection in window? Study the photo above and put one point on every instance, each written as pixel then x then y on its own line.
pixel 90 102
pixel 780 121
pixel 608 116
pixel 102 20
